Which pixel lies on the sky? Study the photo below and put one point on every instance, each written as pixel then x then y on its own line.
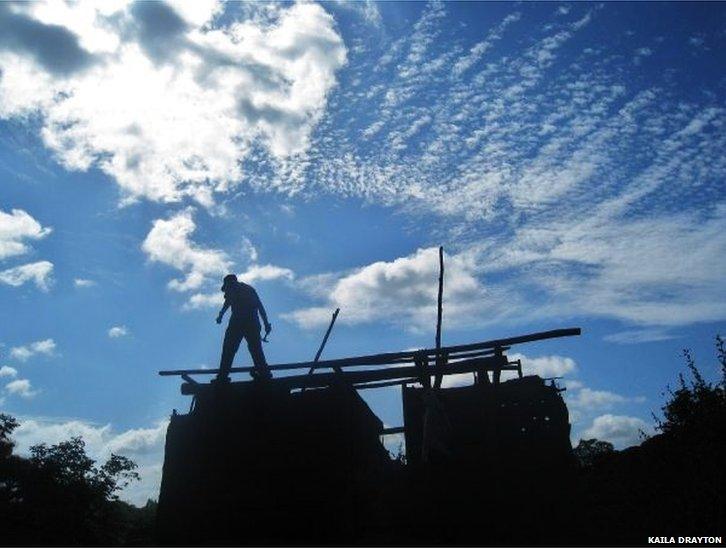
pixel 568 156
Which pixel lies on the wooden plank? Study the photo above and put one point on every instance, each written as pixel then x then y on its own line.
pixel 390 358
pixel 327 379
pixel 383 384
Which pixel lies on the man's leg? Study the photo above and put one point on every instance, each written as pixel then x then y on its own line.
pixel 254 344
pixel 232 339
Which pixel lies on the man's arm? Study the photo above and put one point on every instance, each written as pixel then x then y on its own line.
pixel 222 311
pixel 263 315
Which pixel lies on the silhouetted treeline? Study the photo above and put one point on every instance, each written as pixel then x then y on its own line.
pixel 59 496
pixel 673 482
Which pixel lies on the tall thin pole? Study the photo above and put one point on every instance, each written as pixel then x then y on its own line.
pixel 441 297
pixel 439 313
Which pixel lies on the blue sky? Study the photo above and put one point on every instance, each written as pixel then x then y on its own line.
pixel 568 157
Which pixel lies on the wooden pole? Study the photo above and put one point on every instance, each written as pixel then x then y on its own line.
pixel 322 346
pixel 439 314
pixel 325 339
pixel 439 309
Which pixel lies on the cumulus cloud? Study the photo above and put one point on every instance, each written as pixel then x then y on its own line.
pixel 546 366
pixel 16 228
pixel 265 272
pixel 255 273
pixel 169 243
pixel 402 291
pixel 39 272
pixel 7 371
pixel 622 431
pixel 119 85
pixel 21 387
pixel 83 283
pixel 143 445
pixel 118 331
pixel 543 366
pixel 205 301
pixel 589 398
pixel 24 352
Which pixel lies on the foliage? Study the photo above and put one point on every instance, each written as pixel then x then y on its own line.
pixel 673 481
pixel 697 409
pixel 7 425
pixel 59 496
pixel 589 452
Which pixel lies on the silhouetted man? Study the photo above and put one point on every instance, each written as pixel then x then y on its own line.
pixel 243 323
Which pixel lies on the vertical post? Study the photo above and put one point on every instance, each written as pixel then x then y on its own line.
pixel 440 362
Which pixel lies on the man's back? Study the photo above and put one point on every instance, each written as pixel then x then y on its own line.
pixel 244 302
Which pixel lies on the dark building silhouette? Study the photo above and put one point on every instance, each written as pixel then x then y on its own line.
pixel 299 460
pixel 485 425
pixel 252 464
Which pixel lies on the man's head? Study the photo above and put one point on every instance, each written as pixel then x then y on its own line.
pixel 229 281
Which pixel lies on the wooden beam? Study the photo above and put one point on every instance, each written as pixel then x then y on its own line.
pixel 327 379
pixel 399 357
pixel 383 384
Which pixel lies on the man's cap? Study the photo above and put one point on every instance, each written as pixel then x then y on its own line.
pixel 228 281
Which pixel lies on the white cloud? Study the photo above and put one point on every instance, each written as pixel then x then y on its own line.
pixel 265 272
pixel 622 431
pixel 83 283
pixel 479 49
pixel 169 243
pixel 205 301
pixel 39 272
pixel 639 336
pixel 367 9
pixel 254 273
pixel 138 441
pixel 8 371
pixel 546 366
pixel 119 85
pixel 402 292
pixel 565 180
pixel 24 352
pixel 543 366
pixel 15 228
pixel 118 331
pixel 21 387
pixel 588 399
pixel 640 54
pixel 143 445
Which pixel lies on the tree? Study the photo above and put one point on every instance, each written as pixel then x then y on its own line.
pixel 59 496
pixel 589 452
pixel 697 409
